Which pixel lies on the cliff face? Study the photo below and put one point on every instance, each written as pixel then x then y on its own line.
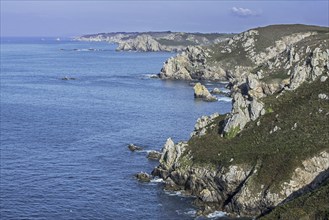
pixel 272 48
pixel 274 144
pixel 155 41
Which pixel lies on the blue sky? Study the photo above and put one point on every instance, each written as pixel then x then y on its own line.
pixel 72 18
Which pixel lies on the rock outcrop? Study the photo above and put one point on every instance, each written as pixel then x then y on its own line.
pixel 140 43
pixel 203 123
pixel 133 147
pixel 200 91
pixel 154 155
pixel 231 188
pixel 143 177
pixel 234 180
pixel 191 64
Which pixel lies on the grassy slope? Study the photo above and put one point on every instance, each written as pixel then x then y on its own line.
pixel 313 205
pixel 266 38
pixel 185 42
pixel 279 152
pixel 268 35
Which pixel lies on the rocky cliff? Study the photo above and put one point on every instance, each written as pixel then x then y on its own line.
pixel 273 146
pixel 155 41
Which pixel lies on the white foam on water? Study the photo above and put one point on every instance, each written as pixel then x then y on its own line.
pixel 157 180
pixel 191 212
pixel 172 193
pixel 225 90
pixel 216 214
pixel 150 76
pixel 224 99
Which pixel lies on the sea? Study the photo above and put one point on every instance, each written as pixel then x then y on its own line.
pixel 68 111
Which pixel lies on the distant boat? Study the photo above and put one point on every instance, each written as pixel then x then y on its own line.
pixel 58 39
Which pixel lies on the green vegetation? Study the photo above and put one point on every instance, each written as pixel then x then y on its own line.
pixel 269 110
pixel 313 205
pixel 304 131
pixel 232 133
pixel 238 56
pixel 167 42
pixel 268 35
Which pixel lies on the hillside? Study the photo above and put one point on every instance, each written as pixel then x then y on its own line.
pixel 251 51
pixel 272 149
pixel 156 41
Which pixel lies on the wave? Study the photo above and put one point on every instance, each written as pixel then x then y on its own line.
pixel 189 212
pixel 157 180
pixel 224 99
pixel 150 76
pixel 173 193
pixel 224 90
pixel 216 214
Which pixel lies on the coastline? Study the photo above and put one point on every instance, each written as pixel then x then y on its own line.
pixel 231 183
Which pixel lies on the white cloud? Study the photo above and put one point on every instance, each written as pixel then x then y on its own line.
pixel 244 12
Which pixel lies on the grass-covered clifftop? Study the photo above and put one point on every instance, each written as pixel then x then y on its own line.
pixel 274 144
pixel 302 121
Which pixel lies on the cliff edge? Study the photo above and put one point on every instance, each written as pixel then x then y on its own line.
pixel 272 149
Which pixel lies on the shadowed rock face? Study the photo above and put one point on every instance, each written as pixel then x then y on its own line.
pixel 292 60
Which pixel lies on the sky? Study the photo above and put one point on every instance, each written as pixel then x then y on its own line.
pixel 73 17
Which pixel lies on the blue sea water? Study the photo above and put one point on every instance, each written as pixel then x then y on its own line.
pixel 64 142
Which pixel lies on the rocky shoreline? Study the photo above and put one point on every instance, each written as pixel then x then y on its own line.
pixel 155 41
pixel 263 154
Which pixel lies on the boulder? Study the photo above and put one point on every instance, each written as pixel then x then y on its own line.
pixel 143 177
pixel 200 91
pixel 216 91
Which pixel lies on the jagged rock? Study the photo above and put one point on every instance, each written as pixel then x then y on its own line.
pixel 143 177
pixel 323 96
pixel 317 65
pixel 202 123
pixel 256 109
pixel 323 78
pixel 133 147
pixel 239 116
pixel 171 153
pixel 275 129
pixel 200 91
pixel 191 64
pixel 154 155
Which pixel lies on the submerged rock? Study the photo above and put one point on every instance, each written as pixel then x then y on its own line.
pixel 68 78
pixel 133 147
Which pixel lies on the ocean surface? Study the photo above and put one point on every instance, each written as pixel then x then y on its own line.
pixel 64 143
